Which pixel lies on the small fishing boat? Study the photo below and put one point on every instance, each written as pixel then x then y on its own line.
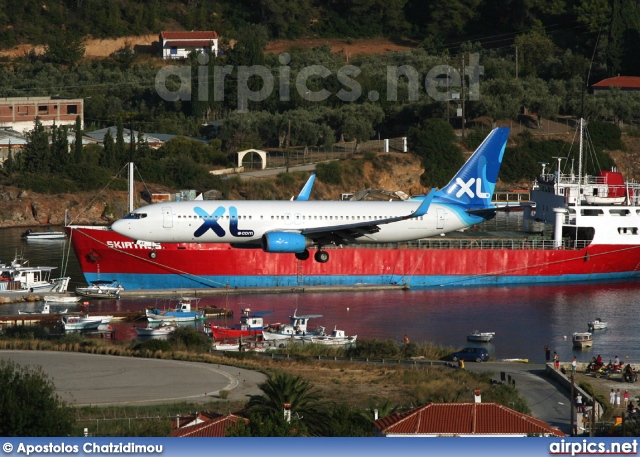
pixel 295 329
pixel 250 324
pixel 19 277
pixel 101 289
pixel 46 235
pixel 242 345
pixel 480 337
pixel 597 324
pixel 165 328
pixel 181 313
pixel 582 339
pixel 335 338
pixel 45 310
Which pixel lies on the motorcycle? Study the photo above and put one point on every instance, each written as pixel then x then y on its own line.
pixel 629 375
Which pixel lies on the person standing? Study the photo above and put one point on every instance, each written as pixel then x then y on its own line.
pixel 626 398
pixel 574 364
pixel 547 353
pixel 612 397
pixel 618 398
pixel 556 360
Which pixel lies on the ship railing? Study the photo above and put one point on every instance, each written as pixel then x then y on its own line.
pixel 533 242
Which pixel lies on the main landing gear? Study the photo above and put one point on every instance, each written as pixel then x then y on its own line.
pixel 320 256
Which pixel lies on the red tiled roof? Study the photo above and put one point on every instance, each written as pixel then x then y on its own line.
pixel 190 43
pixel 208 35
pixel 213 427
pixel 463 419
pixel 623 82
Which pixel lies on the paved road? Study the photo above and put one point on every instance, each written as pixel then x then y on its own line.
pixel 548 400
pixel 90 379
pixel 275 171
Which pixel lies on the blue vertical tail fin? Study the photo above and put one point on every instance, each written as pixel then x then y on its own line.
pixel 473 185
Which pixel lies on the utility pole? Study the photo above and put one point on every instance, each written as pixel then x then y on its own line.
pixel 288 141
pixel 462 80
pixel 573 411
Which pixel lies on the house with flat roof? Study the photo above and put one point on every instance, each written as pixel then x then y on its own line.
pixel 178 45
pixel 19 113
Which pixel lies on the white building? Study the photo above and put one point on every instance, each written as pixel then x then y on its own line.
pixel 178 45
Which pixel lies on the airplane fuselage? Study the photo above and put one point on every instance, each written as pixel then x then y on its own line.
pixel 247 221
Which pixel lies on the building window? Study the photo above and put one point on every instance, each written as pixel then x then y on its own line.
pixel 72 109
pixel 174 50
pixel 43 109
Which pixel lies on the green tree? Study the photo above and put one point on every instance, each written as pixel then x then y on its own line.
pixel 624 38
pixel 65 48
pixel 535 49
pixel 120 152
pixel 29 405
pixel 77 146
pixel 36 151
pixel 434 141
pixel 300 394
pixel 107 159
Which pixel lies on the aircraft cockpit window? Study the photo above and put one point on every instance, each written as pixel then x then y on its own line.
pixel 136 216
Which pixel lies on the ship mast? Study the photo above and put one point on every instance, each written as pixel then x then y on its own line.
pixel 579 198
pixel 131 191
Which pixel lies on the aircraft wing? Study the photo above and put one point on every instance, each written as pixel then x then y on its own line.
pixel 349 233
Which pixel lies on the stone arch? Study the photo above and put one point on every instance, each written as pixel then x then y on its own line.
pixel 262 154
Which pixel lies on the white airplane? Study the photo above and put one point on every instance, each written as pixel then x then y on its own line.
pixel 295 226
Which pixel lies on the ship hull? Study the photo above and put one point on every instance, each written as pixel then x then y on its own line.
pixel 101 251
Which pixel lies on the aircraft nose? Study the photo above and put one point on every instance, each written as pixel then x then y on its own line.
pixel 120 227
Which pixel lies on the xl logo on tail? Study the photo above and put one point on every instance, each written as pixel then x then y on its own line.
pixel 465 188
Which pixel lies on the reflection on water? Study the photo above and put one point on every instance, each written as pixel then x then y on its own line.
pixel 525 319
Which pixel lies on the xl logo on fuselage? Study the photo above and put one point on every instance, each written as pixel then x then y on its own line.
pixel 210 221
pixel 465 188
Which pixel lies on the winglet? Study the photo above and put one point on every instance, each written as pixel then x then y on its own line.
pixel 306 190
pixel 424 206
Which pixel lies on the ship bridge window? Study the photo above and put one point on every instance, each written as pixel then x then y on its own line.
pixel 628 230
pixel 591 212
pixel 619 212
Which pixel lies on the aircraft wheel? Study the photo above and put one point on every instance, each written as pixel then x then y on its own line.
pixel 321 256
pixel 304 255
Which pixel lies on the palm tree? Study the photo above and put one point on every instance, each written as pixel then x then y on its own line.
pixel 306 407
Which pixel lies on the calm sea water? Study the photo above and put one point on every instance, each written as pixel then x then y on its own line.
pixel 525 318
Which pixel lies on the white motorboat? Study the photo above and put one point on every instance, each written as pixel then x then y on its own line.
pixel 45 310
pixel 46 235
pixel 597 324
pixel 335 338
pixel 81 322
pixel 61 299
pixel 582 339
pixel 101 289
pixel 480 337
pixel 165 328
pixel 295 329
